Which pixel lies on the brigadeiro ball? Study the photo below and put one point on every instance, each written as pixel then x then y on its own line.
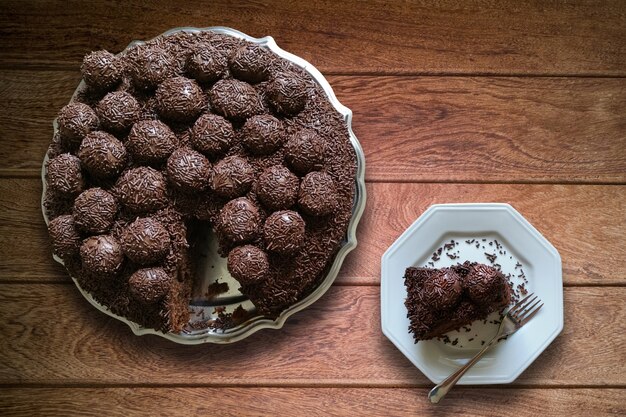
pixel 149 285
pixel 206 63
pixel 248 264
pixel 250 63
pixel 212 134
pixel 179 99
pixel 151 65
pixel 118 111
pixel 235 100
pixel 101 70
pixel 75 120
pixel 287 93
pixel 284 232
pixel 277 188
pixel 232 177
pixel 142 190
pixel 65 237
pixel 145 241
pixel 442 290
pixel 188 170
pixel 262 134
pixel 304 151
pixel 101 255
pixel 102 154
pixel 239 221
pixel 318 194
pixel 94 210
pixel 484 284
pixel 151 142
pixel 64 174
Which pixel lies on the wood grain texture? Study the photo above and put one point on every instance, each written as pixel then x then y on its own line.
pixel 52 336
pixel 428 129
pixel 349 37
pixel 576 219
pixel 463 401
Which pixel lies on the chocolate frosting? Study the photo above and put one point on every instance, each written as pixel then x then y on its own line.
pixel 118 111
pixel 75 120
pixel 318 194
pixel 102 255
pixel 212 134
pixel 232 177
pixel 145 241
pixel 235 100
pixel 248 264
pixel 284 232
pixel 179 99
pixel 206 63
pixel 277 188
pixel 239 221
pixel 141 190
pixel 64 174
pixel 250 63
pixel 94 210
pixel 149 285
pixel 101 70
pixel 151 65
pixel 304 151
pixel 151 142
pixel 188 170
pixel 65 237
pixel 287 93
pixel 102 154
pixel 262 134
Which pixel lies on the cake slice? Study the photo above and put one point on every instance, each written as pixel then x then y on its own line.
pixel 441 300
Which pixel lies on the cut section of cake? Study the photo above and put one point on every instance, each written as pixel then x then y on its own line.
pixel 445 299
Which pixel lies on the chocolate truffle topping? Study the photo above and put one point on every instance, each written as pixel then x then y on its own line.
pixel 188 170
pixel 277 188
pixel 65 237
pixel 142 190
pixel 145 241
pixel 64 174
pixel 442 290
pixel 101 255
pixel 284 232
pixel 151 66
pixel 101 70
pixel 318 194
pixel 118 111
pixel 484 284
pixel 149 285
pixel 151 142
pixel 212 134
pixel 250 63
pixel 235 100
pixel 262 134
pixel 239 221
pixel 248 264
pixel 94 210
pixel 76 120
pixel 207 63
pixel 102 154
pixel 232 177
pixel 179 99
pixel 287 94
pixel 304 151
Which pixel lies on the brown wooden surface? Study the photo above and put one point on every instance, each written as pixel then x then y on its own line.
pixel 480 101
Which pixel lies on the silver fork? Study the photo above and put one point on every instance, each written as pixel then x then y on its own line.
pixel 511 321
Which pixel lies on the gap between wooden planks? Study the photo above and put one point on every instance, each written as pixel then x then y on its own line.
pixel 412 129
pixel 51 335
pixel 582 221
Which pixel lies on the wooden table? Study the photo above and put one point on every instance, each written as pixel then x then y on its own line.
pixel 478 102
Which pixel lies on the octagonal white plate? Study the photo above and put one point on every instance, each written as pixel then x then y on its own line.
pixel 521 242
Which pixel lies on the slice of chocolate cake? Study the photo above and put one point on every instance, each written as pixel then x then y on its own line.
pixel 441 300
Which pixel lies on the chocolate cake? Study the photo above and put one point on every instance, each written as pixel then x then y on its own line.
pixel 189 129
pixel 441 300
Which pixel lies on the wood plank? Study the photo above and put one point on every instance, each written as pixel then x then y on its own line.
pixel 347 37
pixel 429 129
pixel 52 336
pixel 307 402
pixel 580 220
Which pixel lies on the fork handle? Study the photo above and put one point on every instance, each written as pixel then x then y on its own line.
pixel 436 394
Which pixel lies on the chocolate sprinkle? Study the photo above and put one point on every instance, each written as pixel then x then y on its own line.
pixel 232 177
pixel 179 99
pixel 248 264
pixel 235 100
pixel 287 94
pixel 188 170
pixel 64 175
pixel 250 63
pixel 118 111
pixel 94 210
pixel 284 232
pixel 151 142
pixel 101 255
pixel 304 151
pixel 145 241
pixel 76 120
pixel 141 190
pixel 212 134
pixel 277 188
pixel 149 285
pixel 206 63
pixel 262 134
pixel 102 154
pixel 65 237
pixel 151 65
pixel 101 70
pixel 239 221
pixel 318 194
